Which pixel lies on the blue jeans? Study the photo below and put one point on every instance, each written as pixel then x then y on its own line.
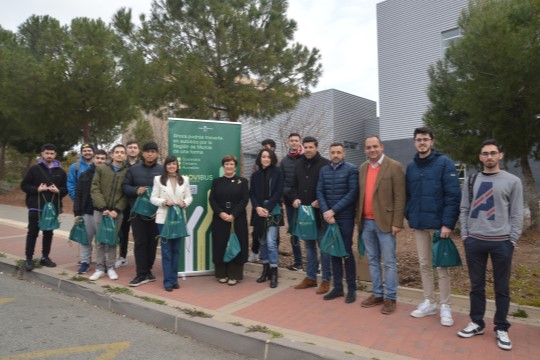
pixel 295 243
pixel 477 252
pixel 381 244
pixel 269 249
pixel 346 227
pixel 170 256
pixel 312 256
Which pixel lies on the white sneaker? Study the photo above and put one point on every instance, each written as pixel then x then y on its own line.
pixel 96 275
pixel 503 341
pixel 446 315
pixel 112 274
pixel 253 257
pixel 471 330
pixel 120 262
pixel 424 309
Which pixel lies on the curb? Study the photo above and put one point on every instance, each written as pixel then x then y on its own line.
pixel 223 335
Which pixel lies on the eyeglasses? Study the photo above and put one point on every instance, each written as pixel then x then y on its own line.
pixel 490 153
pixel 423 140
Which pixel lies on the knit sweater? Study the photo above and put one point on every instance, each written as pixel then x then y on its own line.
pixel 496 211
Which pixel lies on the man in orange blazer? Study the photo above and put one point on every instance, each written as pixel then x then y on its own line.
pixel 380 217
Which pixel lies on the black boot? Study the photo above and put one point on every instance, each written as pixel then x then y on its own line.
pixel 265 273
pixel 273 277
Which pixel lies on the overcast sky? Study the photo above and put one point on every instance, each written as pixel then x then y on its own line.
pixel 343 30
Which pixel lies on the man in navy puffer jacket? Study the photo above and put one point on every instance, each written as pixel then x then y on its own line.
pixel 337 192
pixel 433 198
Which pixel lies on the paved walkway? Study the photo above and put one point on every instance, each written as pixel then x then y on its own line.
pixel 300 315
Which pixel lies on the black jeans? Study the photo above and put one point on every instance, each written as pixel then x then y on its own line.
pixel 477 253
pixel 32 234
pixel 145 233
pixel 124 232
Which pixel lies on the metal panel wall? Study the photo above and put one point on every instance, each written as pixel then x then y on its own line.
pixel 409 40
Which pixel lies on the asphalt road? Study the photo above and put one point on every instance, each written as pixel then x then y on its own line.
pixel 38 323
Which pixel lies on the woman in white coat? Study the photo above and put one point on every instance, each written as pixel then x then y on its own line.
pixel 170 189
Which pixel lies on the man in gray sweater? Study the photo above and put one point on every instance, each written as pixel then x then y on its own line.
pixel 491 224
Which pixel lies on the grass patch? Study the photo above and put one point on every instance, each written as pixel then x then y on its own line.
pixel 198 313
pixel 520 313
pixel 152 300
pixel 309 343
pixel 117 290
pixel 63 273
pixel 524 285
pixel 236 323
pixel 263 329
pixel 349 352
pixel 20 263
pixel 2 254
pixel 79 278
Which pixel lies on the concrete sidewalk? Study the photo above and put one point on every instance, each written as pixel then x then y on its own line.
pixel 310 327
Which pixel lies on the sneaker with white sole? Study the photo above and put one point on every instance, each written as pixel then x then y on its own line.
pixel 112 274
pixel 446 315
pixel 253 257
pixel 471 330
pixel 120 262
pixel 503 340
pixel 97 275
pixel 424 309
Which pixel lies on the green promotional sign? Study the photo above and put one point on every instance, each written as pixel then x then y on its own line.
pixel 200 145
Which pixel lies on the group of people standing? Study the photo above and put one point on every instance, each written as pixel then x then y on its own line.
pixel 377 196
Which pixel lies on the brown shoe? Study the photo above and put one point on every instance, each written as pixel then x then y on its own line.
pixel 323 288
pixel 306 283
pixel 372 301
pixel 388 307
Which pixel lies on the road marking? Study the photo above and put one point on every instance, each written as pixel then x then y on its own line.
pixel 6 300
pixel 110 352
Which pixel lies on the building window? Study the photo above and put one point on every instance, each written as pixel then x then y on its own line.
pixel 448 37
pixel 350 145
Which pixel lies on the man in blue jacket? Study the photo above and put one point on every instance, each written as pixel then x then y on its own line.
pixel 78 167
pixel 433 198
pixel 337 192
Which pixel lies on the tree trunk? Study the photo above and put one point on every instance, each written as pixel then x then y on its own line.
pixel 86 131
pixel 2 161
pixel 531 195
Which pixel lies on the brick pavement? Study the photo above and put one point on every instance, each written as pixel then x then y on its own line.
pixel 301 315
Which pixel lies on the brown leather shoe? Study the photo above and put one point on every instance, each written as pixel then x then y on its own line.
pixel 323 288
pixel 388 307
pixel 306 283
pixel 372 301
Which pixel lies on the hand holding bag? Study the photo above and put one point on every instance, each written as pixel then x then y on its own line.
pixel 175 224
pixel 306 225
pixel 233 246
pixel 332 242
pixel 78 232
pixel 143 206
pixel 445 253
pixel 106 233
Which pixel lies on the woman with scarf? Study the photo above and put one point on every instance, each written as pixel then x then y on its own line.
pixel 228 198
pixel 170 189
pixel 265 194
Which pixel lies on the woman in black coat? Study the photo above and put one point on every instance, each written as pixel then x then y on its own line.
pixel 265 194
pixel 228 198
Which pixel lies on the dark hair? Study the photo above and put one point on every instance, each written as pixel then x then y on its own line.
pixel 337 144
pixel 228 158
pixel 165 174
pixel 270 142
pixel 100 152
pixel 490 142
pixel 423 130
pixel 116 146
pixel 273 158
pixel 294 134
pixel 48 147
pixel 310 139
pixel 131 142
